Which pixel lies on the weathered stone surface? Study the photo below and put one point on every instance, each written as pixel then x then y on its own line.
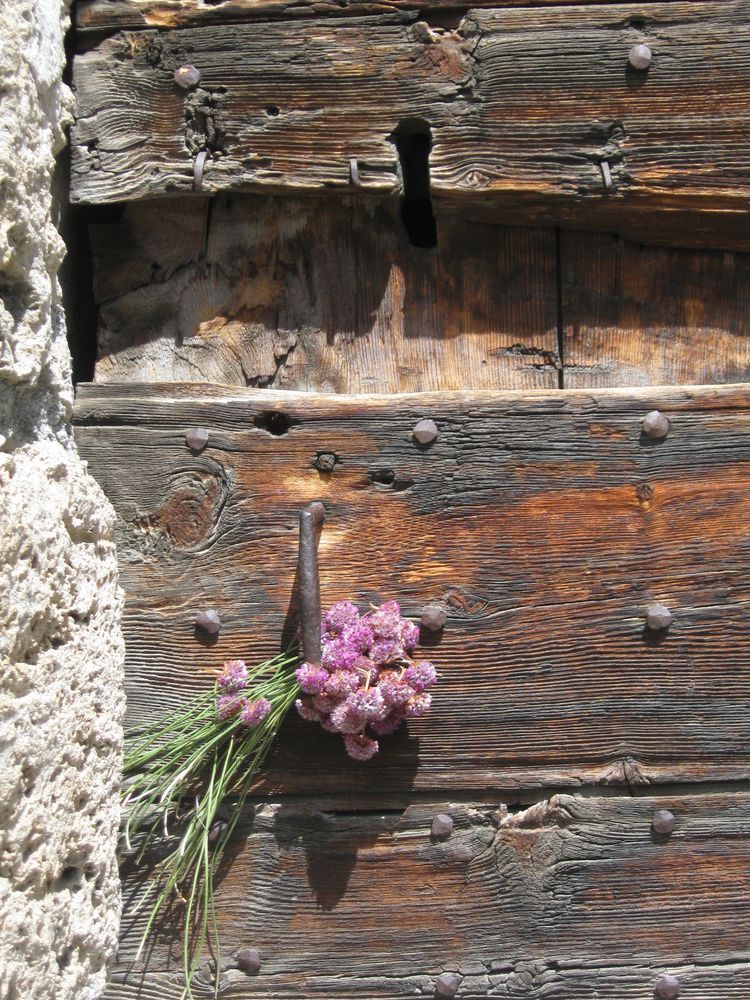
pixel 60 646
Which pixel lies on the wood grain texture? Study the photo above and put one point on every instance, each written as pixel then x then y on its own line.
pixel 522 113
pixel 636 315
pixel 541 521
pixel 118 15
pixel 322 294
pixel 572 899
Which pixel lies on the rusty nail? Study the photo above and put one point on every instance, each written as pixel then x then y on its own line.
pixel 447 984
pixel 663 821
pixel 667 987
pixel 606 174
pixel 425 432
pixel 658 617
pixel 249 960
pixel 208 621
pixel 655 425
pixel 196 438
pixel 310 521
pixel 354 177
pixel 442 826
pixel 187 77
pixel 198 168
pixel 433 618
pixel 640 57
pixel 325 462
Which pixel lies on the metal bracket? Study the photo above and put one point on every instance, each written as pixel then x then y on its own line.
pixel 310 522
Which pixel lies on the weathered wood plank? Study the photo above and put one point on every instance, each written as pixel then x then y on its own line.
pixel 522 114
pixel 635 315
pixel 573 899
pixel 542 522
pixel 322 294
pixel 119 15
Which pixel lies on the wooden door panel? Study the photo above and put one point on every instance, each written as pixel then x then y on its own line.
pixel 543 522
pixel 574 899
pixel 523 112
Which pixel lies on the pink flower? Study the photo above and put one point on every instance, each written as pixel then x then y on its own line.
pixel 233 676
pixel 390 724
pixel 387 651
pixel 306 711
pixel 358 636
pixel 368 703
pixel 360 747
pixel 338 654
pixel 385 622
pixel 366 669
pixel 394 689
pixel 420 675
pixel 341 683
pixel 325 722
pixel 419 705
pixel 341 614
pixel 324 704
pixel 346 719
pixel 254 712
pixel 409 634
pixel 311 679
pixel 228 705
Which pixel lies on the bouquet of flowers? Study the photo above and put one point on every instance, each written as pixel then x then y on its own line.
pixel 180 770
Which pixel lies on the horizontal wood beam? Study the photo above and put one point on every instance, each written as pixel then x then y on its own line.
pixel 543 522
pixel 574 899
pixel 523 112
pixel 118 15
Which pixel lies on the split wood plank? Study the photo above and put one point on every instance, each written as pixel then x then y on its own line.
pixel 574 899
pixel 637 315
pixel 119 15
pixel 322 294
pixel 541 521
pixel 523 112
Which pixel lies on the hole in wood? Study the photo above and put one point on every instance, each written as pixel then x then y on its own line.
pixel 272 110
pixel 273 422
pixel 413 140
pixel 383 477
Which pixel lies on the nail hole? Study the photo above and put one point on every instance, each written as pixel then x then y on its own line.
pixel 638 23
pixel 413 140
pixel 272 110
pixel 273 422
pixel 383 477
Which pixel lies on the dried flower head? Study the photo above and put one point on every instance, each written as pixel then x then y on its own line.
pixel 420 675
pixel 228 705
pixel 341 614
pixel 254 712
pixel 361 747
pixel 233 676
pixel 311 679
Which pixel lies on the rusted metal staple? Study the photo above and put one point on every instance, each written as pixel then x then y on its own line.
pixel 310 522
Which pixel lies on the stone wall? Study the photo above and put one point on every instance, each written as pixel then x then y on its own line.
pixel 60 645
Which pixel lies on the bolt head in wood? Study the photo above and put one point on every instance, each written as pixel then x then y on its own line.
pixel 447 984
pixel 249 960
pixel 425 432
pixel 209 622
pixel 442 826
pixel 658 617
pixel 433 618
pixel 187 77
pixel 640 57
pixel 325 462
pixel 663 822
pixel 655 425
pixel 667 988
pixel 196 438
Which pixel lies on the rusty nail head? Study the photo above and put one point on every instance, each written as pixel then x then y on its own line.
pixel 249 959
pixel 655 425
pixel 325 462
pixel 442 826
pixel 208 621
pixel 447 984
pixel 640 57
pixel 187 77
pixel 658 617
pixel 663 822
pixel 433 618
pixel 667 987
pixel 425 432
pixel 196 438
